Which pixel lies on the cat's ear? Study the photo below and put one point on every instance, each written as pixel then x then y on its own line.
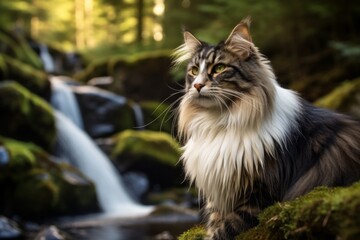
pixel 186 50
pixel 239 40
pixel 191 42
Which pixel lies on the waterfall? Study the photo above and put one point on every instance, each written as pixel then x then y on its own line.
pixel 77 147
pixel 63 99
pixel 46 58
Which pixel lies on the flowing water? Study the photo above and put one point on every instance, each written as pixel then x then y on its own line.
pixel 81 151
pixel 122 217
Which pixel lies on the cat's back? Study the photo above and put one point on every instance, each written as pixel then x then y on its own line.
pixel 323 149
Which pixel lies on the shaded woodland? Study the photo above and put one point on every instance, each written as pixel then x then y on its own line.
pixel 114 57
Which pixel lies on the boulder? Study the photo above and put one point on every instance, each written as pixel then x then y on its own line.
pixel 52 233
pixel 25 116
pixel 36 185
pixel 324 213
pixel 104 113
pixel 155 154
pixel 142 76
pixel 33 79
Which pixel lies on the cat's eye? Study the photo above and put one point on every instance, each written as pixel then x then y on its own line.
pixel 194 71
pixel 218 68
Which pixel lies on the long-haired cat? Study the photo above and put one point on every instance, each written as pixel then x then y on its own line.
pixel 249 142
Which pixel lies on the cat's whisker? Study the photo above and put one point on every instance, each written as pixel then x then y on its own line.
pixel 163 113
pixel 229 93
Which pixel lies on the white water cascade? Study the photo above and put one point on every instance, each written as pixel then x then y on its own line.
pixel 46 58
pixel 76 146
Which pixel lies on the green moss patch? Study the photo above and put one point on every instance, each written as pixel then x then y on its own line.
pixel 155 154
pixel 25 116
pixel 147 144
pixel 324 213
pixel 344 98
pixel 34 185
pixel 33 79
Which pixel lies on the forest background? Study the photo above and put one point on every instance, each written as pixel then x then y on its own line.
pixel 302 38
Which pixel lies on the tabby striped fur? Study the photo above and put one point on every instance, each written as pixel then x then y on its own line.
pixel 248 141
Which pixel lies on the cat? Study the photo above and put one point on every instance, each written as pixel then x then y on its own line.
pixel 248 142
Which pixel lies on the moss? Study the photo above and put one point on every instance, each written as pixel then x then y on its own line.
pixel 153 153
pixel 21 154
pixel 36 193
pixel 344 98
pixel 196 233
pixel 25 116
pixel 151 144
pixel 105 67
pixel 33 79
pixel 157 116
pixel 324 213
pixel 36 186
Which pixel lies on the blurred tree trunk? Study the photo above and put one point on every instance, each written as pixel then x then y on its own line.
pixel 79 23
pixel 140 21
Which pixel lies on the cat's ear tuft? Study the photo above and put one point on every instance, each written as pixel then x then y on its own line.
pixel 239 40
pixel 188 49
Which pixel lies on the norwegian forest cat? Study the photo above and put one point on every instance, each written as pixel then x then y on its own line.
pixel 249 142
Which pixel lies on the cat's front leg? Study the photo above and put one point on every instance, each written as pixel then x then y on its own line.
pixel 228 227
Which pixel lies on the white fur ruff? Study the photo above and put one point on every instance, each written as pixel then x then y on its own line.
pixel 223 157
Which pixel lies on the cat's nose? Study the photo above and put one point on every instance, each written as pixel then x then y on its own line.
pixel 198 86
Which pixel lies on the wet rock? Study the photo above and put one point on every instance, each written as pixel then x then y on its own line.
pixel 52 233
pixel 19 62
pixel 24 116
pixel 164 236
pixel 153 82
pixel 4 156
pixel 9 229
pixel 34 185
pixel 33 79
pixel 137 184
pixel 103 112
pixel 153 153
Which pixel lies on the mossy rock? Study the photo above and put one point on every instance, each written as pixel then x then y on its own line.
pixel 324 213
pixel 25 116
pixel 158 116
pixel 33 185
pixel 141 77
pixel 19 47
pixel 154 153
pixel 33 79
pixel 345 98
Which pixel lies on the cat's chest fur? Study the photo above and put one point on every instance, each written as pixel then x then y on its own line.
pixel 224 158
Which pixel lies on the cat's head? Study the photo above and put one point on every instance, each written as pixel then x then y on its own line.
pixel 232 72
